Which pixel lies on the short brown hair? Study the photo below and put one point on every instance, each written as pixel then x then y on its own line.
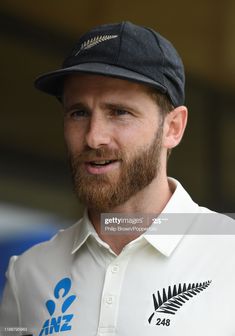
pixel 165 105
pixel 162 101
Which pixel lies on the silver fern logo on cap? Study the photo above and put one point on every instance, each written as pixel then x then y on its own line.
pixel 94 41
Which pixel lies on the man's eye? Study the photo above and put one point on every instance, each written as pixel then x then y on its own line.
pixel 78 114
pixel 120 112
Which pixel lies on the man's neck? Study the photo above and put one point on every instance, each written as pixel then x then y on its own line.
pixel 151 199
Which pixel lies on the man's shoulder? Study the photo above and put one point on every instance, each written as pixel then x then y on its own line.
pixel 211 222
pixel 57 249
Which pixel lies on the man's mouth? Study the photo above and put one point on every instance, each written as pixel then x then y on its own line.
pixel 101 166
pixel 101 163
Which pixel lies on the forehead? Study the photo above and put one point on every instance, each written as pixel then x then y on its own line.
pixel 83 84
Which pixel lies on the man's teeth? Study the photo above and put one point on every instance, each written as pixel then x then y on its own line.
pixel 101 162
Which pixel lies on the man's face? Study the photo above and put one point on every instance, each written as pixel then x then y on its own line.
pixel 113 132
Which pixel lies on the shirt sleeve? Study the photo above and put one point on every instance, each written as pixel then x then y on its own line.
pixel 9 308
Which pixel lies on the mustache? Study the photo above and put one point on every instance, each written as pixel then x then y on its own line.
pixel 99 153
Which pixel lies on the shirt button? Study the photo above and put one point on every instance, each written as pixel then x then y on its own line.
pixel 109 299
pixel 115 269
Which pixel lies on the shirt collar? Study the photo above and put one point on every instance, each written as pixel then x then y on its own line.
pixel 180 202
pixel 85 229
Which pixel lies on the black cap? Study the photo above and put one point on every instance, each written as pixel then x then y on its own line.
pixel 123 50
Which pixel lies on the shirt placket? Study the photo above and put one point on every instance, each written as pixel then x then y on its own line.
pixel 111 294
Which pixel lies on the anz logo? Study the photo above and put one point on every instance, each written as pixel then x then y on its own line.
pixel 61 323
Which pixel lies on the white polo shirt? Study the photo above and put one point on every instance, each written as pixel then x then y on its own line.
pixel 158 285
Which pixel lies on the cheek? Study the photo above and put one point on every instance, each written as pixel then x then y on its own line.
pixel 74 138
pixel 137 134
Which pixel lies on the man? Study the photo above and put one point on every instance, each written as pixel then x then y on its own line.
pixel 122 91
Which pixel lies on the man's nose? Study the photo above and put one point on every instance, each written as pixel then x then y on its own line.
pixel 98 133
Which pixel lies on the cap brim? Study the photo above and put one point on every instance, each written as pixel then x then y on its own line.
pixel 53 82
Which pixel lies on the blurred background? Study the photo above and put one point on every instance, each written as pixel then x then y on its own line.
pixel 36 197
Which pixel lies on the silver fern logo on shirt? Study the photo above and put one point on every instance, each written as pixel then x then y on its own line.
pixel 94 41
pixel 171 301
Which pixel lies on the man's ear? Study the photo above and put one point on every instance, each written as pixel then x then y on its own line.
pixel 174 126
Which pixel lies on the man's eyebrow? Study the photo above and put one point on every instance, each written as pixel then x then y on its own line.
pixel 120 106
pixel 105 105
pixel 75 106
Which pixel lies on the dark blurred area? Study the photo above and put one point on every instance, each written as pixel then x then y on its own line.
pixel 36 36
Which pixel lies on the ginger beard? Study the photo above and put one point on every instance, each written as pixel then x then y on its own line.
pixel 103 192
